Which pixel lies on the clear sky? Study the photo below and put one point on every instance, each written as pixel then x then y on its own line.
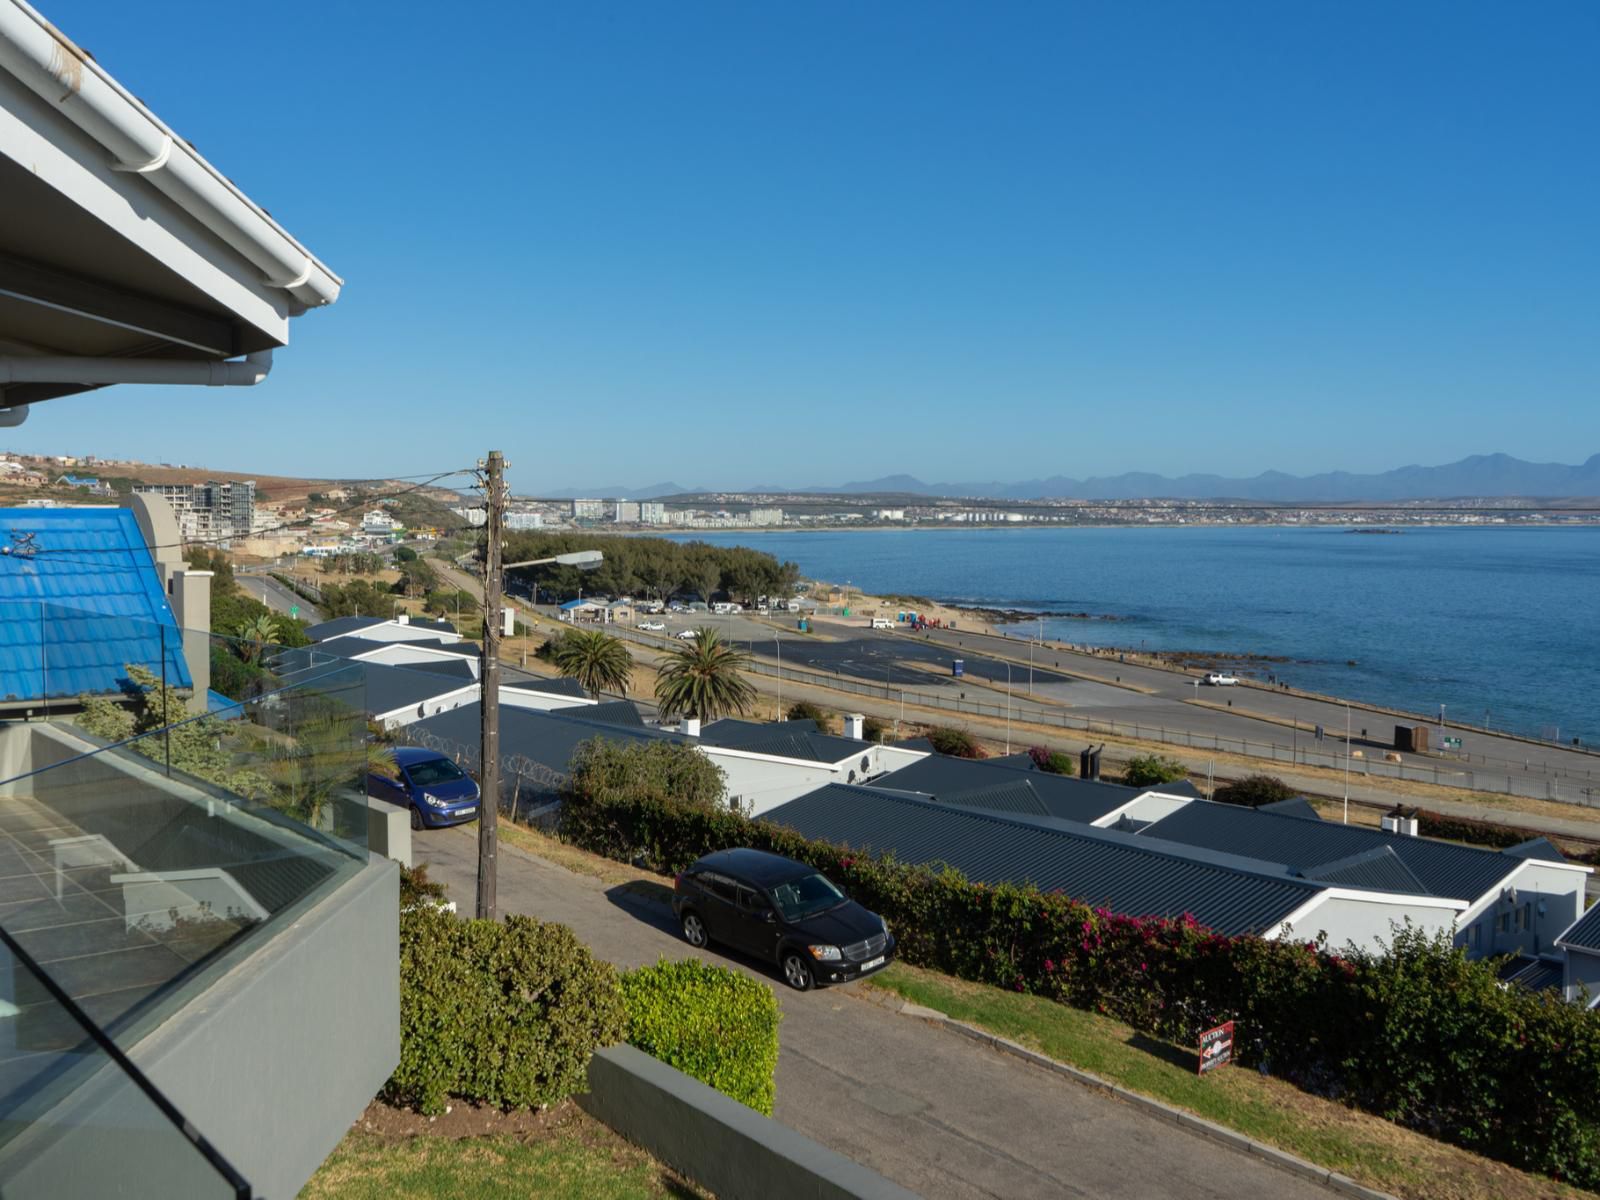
pixel 736 243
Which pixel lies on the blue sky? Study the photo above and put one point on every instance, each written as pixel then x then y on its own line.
pixel 724 244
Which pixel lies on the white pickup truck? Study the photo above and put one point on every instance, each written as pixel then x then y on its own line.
pixel 1221 679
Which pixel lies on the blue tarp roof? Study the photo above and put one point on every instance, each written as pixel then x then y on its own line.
pixel 79 599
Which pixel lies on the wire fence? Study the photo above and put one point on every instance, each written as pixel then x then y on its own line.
pixel 528 788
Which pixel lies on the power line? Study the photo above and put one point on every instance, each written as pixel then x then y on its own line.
pixel 289 525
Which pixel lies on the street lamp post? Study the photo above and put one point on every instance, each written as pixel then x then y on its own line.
pixel 1347 764
pixel 1008 708
pixel 777 645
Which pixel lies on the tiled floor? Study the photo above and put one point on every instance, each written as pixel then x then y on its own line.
pixel 74 923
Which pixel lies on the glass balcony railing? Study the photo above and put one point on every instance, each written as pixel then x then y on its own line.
pixel 77 1119
pixel 144 848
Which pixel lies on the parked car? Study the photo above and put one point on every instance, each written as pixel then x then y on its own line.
pixel 430 784
pixel 782 912
pixel 652 626
pixel 685 635
pixel 676 607
pixel 1222 679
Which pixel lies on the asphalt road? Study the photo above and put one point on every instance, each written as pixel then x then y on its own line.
pixel 277 597
pixel 936 1113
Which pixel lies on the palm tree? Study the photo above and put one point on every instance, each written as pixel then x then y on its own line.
pixel 597 660
pixel 701 679
pixel 256 636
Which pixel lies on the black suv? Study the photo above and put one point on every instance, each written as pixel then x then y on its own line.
pixel 784 912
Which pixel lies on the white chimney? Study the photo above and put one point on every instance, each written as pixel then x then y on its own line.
pixel 1400 822
pixel 854 724
pixel 403 619
pixel 689 727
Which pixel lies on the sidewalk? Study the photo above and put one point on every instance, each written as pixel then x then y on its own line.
pixel 940 1115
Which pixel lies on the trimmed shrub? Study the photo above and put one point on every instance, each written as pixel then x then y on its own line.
pixel 502 1014
pixel 876 729
pixel 1052 762
pixel 1255 790
pixel 718 1025
pixel 957 743
pixel 1147 770
pixel 804 710
pixel 1465 829
pixel 1418 1033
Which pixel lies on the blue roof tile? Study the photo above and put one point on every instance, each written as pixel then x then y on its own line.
pixel 79 599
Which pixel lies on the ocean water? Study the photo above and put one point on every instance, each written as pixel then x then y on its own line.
pixel 1500 624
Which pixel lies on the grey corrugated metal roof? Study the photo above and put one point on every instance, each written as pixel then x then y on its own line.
pixel 1123 872
pixel 1538 847
pixel 1295 806
pixel 1584 933
pixel 1008 796
pixel 384 688
pixel 1379 867
pixel 559 686
pixel 340 626
pixel 452 668
pixel 1535 974
pixel 729 730
pixel 614 712
pixel 786 739
pixel 1064 797
pixel 547 739
pixel 1457 872
pixel 353 644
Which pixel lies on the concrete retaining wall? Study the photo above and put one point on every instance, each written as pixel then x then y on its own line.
pixel 725 1147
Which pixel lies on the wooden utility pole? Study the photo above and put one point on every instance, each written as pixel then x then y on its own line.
pixel 489 686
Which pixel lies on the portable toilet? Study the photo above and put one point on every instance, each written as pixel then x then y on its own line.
pixel 958 667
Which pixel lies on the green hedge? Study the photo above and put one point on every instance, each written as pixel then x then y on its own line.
pixel 503 1014
pixel 1419 1034
pixel 718 1025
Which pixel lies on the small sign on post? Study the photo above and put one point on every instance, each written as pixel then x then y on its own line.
pixel 1216 1047
pixel 294 610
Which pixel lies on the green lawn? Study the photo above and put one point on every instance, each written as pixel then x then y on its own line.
pixel 571 1164
pixel 1366 1148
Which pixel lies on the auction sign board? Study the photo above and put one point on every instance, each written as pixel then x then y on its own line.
pixel 1216 1047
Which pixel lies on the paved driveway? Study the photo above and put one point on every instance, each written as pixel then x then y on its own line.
pixel 936 1113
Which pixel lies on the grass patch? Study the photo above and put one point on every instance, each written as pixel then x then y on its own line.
pixel 1366 1148
pixel 579 1159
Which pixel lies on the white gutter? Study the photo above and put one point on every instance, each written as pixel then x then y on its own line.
pixel 44 369
pixel 67 79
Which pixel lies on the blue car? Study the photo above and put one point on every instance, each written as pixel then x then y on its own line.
pixel 437 792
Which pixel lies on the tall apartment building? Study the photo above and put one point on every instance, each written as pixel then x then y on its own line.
pixel 524 520
pixel 627 512
pixel 652 512
pixel 209 511
pixel 766 516
pixel 588 510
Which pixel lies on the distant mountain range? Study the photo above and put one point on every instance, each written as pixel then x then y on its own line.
pixel 1477 476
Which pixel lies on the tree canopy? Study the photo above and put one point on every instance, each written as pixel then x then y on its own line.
pixel 604 771
pixel 651 566
pixel 595 659
pixel 701 678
